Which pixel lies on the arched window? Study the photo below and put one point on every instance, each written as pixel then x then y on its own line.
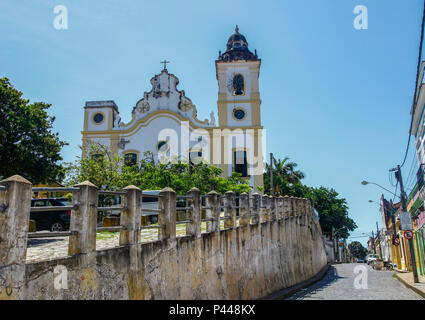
pixel 240 163
pixel 238 85
pixel 130 159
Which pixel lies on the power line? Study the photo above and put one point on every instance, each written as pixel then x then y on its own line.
pixel 411 176
pixel 416 84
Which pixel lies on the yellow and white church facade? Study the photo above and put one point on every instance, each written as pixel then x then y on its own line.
pixel 165 120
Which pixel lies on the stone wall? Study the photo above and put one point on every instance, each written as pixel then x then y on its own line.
pixel 276 242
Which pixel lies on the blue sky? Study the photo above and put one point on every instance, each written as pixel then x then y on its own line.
pixel 336 100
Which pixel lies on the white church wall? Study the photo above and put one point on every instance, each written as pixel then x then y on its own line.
pixel 103 126
pixel 180 136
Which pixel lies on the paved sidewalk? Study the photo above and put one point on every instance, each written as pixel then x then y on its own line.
pixel 407 279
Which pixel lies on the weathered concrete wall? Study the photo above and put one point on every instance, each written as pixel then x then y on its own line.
pixel 249 261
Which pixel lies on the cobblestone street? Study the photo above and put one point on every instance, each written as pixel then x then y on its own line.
pixel 338 284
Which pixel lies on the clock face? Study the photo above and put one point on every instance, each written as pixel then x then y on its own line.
pixel 239 114
pixel 98 118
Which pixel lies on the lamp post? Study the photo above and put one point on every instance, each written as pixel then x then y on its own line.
pixel 402 198
pixel 368 182
pixel 338 252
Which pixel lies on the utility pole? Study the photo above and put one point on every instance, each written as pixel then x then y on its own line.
pixel 373 243
pixel 336 247
pixel 378 235
pixel 404 208
pixel 271 175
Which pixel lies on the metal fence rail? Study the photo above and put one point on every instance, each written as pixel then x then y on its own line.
pixel 111 208
pixel 116 193
pixel 52 208
pixel 54 189
pixel 34 235
pixel 159 226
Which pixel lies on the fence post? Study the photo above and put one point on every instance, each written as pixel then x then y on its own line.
pixel 193 228
pixel 273 208
pixel 14 219
pixel 230 209
pixel 83 219
pixel 286 208
pixel 212 203
pixel 244 209
pixel 131 216
pixel 299 206
pixel 265 206
pixel 256 208
pixel 167 216
pixel 279 211
pixel 304 211
pixel 15 203
pixel 293 211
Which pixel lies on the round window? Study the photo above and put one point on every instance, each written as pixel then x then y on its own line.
pixel 98 118
pixel 239 114
pixel 162 146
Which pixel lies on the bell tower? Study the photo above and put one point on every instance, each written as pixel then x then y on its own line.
pixel 239 115
pixel 237 72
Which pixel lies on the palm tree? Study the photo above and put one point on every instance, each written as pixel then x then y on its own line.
pixel 285 176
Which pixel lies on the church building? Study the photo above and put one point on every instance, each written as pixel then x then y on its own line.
pixel 164 121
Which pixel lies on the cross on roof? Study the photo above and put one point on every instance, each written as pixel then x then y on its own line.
pixel 165 64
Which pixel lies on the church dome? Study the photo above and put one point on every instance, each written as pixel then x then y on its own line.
pixel 237 48
pixel 237 41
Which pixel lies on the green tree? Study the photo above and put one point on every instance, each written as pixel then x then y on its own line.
pixel 357 250
pixel 333 211
pixel 286 179
pixel 28 146
pixel 109 172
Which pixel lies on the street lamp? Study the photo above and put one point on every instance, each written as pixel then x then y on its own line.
pixel 336 243
pixel 368 182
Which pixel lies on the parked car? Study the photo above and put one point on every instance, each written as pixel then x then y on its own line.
pixel 370 258
pixel 360 260
pixel 149 201
pixel 57 220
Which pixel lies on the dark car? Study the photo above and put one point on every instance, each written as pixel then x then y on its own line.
pixel 57 220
